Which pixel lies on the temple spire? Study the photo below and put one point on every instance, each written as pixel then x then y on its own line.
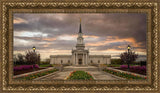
pixel 80 30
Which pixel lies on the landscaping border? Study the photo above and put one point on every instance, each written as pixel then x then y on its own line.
pixel 30 73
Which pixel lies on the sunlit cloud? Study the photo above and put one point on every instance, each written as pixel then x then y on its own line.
pixel 111 40
pixel 66 37
pixel 30 34
pixel 49 39
pixel 19 20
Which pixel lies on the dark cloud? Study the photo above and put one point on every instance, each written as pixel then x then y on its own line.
pixel 122 25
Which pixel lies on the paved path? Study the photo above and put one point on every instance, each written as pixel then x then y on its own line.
pixel 97 75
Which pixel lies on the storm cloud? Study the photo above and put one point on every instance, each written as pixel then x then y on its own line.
pixel 110 31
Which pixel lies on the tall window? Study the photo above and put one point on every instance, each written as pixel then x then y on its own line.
pixel 98 61
pixel 91 61
pixel 61 61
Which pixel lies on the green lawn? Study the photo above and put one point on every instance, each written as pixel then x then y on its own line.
pixel 46 65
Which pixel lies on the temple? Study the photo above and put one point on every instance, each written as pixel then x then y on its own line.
pixel 80 55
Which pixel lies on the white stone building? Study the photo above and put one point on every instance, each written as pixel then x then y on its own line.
pixel 80 55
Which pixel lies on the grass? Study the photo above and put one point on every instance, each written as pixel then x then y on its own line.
pixel 46 65
pixel 113 65
pixel 80 75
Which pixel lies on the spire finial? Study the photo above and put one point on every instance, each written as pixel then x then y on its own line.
pixel 80 20
pixel 80 31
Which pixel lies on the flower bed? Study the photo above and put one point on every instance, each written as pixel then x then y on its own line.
pixel 124 75
pixel 135 69
pixel 79 75
pixel 33 76
pixel 24 67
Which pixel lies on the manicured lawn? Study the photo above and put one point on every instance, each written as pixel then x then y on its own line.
pixel 113 65
pixel 33 76
pixel 80 75
pixel 122 74
pixel 46 65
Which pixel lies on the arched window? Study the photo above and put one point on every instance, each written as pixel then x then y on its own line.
pixel 68 61
pixel 61 61
pixel 98 61
pixel 91 61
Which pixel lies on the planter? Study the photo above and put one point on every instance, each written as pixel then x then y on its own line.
pixel 35 75
pixel 135 69
pixel 124 75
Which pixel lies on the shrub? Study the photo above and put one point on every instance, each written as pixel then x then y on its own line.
pixel 24 67
pixel 32 57
pixel 116 61
pixel 138 69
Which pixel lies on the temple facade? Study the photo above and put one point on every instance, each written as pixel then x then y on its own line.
pixel 80 55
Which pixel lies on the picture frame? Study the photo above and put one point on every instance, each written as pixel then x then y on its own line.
pixel 68 6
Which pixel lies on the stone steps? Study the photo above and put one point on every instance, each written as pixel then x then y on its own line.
pixel 82 68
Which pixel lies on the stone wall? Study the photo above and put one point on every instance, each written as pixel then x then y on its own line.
pixel 99 59
pixel 61 59
pixel 93 59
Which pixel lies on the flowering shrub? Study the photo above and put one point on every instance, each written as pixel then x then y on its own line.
pixel 36 66
pixel 139 69
pixel 24 67
pixel 124 75
pixel 33 76
pixel 80 75
pixel 124 66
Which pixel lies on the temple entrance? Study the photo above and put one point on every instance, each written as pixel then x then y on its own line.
pixel 80 61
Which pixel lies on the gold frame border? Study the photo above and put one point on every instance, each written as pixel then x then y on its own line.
pixel 7 9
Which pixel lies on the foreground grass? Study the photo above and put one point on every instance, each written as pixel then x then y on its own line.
pixel 46 65
pixel 80 75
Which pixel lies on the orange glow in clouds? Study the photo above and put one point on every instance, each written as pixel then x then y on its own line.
pixel 114 40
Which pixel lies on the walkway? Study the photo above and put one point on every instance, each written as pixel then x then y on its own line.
pixel 97 75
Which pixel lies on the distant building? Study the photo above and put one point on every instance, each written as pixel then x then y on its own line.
pixel 80 55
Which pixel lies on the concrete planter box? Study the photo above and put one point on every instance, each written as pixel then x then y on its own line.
pixel 126 72
pixel 30 73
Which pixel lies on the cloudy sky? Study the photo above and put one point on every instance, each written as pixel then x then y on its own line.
pixel 54 34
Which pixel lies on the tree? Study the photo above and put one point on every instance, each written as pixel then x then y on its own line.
pixel 128 57
pixel 18 59
pixel 116 61
pixel 32 57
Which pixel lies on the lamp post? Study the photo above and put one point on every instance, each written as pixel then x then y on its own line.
pixel 34 50
pixel 129 47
